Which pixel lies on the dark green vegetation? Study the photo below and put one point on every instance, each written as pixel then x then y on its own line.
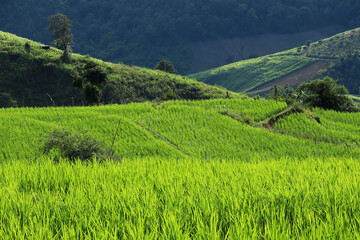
pixel 165 66
pixel 327 94
pixel 73 146
pixel 190 169
pixel 144 32
pixel 336 56
pixel 7 101
pixel 29 72
pixel 60 26
pixel 347 72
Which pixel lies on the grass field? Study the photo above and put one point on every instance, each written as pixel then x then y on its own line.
pixel 189 170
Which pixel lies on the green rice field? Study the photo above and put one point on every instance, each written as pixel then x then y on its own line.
pixel 186 171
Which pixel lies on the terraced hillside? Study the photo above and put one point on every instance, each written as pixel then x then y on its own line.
pixel 289 67
pixel 201 129
pixel 188 169
pixel 29 72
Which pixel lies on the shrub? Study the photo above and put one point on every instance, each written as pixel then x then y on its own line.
pixel 92 94
pixel 165 66
pixel 73 146
pixel 327 94
pixel 7 101
pixel 27 47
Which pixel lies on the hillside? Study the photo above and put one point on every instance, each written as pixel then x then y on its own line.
pixel 289 67
pixel 211 129
pixel 143 32
pixel 223 168
pixel 29 74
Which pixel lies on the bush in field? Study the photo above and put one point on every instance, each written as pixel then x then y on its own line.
pixel 327 94
pixel 73 146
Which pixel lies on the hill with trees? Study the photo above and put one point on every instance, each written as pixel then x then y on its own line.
pixel 336 57
pixel 30 71
pixel 144 32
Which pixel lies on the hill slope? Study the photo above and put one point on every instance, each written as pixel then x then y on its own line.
pixel 288 67
pixel 190 169
pixel 211 129
pixel 28 74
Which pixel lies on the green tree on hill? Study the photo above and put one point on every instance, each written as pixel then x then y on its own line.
pixel 60 25
pixel 326 93
pixel 165 66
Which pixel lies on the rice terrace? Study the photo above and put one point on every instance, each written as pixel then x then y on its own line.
pixel 187 169
pixel 135 144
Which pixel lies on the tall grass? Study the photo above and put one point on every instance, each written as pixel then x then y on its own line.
pixel 187 199
pixel 171 130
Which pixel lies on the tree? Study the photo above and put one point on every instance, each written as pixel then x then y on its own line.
pixel 284 93
pixel 6 101
pixel 60 26
pixel 326 93
pixel 89 80
pixel 165 66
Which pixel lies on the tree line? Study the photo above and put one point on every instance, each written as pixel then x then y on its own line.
pixel 144 32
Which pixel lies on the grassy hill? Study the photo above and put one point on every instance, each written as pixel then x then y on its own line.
pixel 29 74
pixel 289 67
pixel 222 168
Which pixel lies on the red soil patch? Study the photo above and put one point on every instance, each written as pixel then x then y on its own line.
pixel 297 77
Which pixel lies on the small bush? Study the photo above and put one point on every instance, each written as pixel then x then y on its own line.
pixel 27 47
pixel 73 146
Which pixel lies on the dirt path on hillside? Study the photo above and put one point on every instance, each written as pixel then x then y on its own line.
pixel 295 78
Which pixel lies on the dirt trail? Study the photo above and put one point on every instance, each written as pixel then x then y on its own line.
pixel 297 77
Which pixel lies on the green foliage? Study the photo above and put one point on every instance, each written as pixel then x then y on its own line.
pixel 73 146
pixel 27 47
pixel 7 101
pixel 94 75
pixel 282 93
pixel 165 66
pixel 339 46
pixel 89 81
pixel 60 27
pixel 347 72
pixel 142 34
pixel 92 93
pixel 66 56
pixel 29 76
pixel 326 93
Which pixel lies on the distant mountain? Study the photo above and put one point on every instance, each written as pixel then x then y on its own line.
pixel 143 32
pixel 29 72
pixel 324 57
